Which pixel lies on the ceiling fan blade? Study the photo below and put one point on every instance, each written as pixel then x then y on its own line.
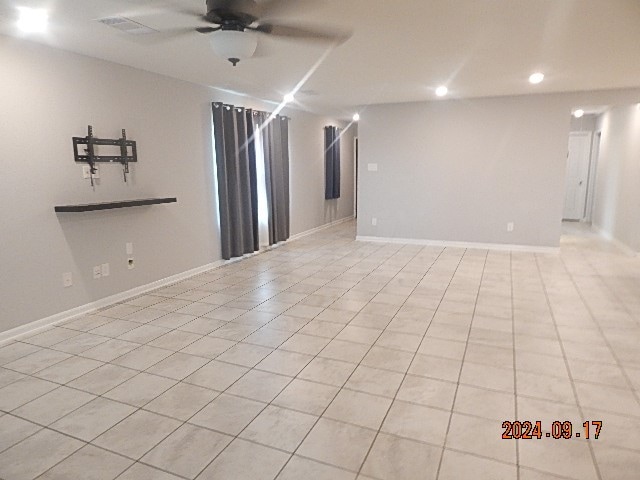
pixel 305 33
pixel 207 29
pixel 192 12
pixel 281 8
pixel 244 11
pixel 156 37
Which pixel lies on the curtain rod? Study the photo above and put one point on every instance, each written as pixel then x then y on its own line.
pixel 255 112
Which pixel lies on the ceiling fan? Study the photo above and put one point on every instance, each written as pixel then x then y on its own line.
pixel 239 24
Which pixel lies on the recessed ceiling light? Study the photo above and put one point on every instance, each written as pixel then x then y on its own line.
pixel 536 78
pixel 578 113
pixel 356 117
pixel 32 20
pixel 288 98
pixel 441 91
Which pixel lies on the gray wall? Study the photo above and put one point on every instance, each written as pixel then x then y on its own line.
pixel 586 123
pixel 460 170
pixel 48 96
pixel 309 209
pixel 617 196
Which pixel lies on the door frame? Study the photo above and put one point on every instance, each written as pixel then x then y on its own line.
pixel 355 177
pixel 593 168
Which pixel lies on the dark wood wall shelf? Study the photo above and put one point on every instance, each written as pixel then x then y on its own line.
pixel 91 207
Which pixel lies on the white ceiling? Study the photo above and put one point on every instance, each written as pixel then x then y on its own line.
pixel 400 51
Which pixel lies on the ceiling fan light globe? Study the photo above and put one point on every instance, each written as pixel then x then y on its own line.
pixel 233 44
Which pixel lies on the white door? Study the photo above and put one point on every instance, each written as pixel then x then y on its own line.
pixel 577 176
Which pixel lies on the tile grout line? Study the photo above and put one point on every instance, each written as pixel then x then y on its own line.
pixel 223 392
pixel 620 365
pixel 566 362
pixel 440 254
pixel 515 371
pixel 455 395
pixel 291 380
pixel 357 365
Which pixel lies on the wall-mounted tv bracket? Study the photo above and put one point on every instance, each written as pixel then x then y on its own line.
pixel 91 158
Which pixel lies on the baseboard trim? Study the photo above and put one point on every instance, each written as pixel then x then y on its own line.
pixel 92 307
pixel 306 233
pixel 623 247
pixel 106 301
pixel 444 243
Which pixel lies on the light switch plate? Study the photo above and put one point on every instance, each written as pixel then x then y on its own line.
pixel 97 272
pixel 67 279
pixel 129 247
pixel 372 167
pixel 104 269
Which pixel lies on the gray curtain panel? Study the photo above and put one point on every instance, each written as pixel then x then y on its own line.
pixel 237 182
pixel 275 145
pixel 331 162
pixel 284 135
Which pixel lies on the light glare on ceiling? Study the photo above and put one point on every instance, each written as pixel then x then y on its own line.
pixel 441 91
pixel 578 113
pixel 288 98
pixel 356 117
pixel 536 78
pixel 32 20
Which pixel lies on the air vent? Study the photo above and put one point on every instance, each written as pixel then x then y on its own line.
pixel 125 25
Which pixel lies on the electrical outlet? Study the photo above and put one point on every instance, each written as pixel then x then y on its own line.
pixel 374 221
pixel 104 269
pixel 97 272
pixel 129 247
pixel 510 227
pixel 67 279
pixel 130 264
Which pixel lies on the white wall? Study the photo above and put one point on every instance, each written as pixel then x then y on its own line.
pixel 586 123
pixel 48 96
pixel 460 170
pixel 617 198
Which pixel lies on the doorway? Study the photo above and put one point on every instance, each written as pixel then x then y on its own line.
pixel 578 179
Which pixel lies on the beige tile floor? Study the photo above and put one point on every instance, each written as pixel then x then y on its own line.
pixel 334 359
